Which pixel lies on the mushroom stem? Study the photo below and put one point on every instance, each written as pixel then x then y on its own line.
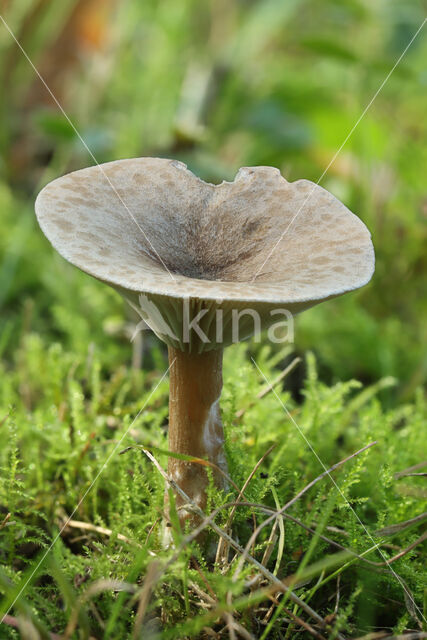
pixel 195 426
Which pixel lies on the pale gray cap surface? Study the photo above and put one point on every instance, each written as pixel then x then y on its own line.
pixel 127 222
pixel 149 225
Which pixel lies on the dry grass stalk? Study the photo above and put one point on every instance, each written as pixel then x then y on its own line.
pixel 87 526
pixel 97 587
pixel 19 623
pixel 291 502
pixel 383 635
pixel 304 624
pixel 400 526
pixel 144 597
pixel 223 548
pixel 5 520
pixel 409 471
pixel 239 414
pixel 243 553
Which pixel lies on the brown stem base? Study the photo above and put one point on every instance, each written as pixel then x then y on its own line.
pixel 195 426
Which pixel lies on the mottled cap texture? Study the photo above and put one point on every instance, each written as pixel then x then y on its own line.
pixel 150 226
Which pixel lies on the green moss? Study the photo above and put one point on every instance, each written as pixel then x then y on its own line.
pixel 60 458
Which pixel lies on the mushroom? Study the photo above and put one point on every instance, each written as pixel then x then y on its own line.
pixel 194 257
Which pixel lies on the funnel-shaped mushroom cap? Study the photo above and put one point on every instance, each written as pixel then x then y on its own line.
pixel 150 226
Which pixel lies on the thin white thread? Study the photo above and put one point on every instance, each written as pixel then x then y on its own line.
pixel 342 145
pixel 83 142
pixel 400 581
pixel 107 460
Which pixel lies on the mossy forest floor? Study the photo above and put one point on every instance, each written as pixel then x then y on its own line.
pixel 342 560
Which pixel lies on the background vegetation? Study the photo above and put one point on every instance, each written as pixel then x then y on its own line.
pixel 218 84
